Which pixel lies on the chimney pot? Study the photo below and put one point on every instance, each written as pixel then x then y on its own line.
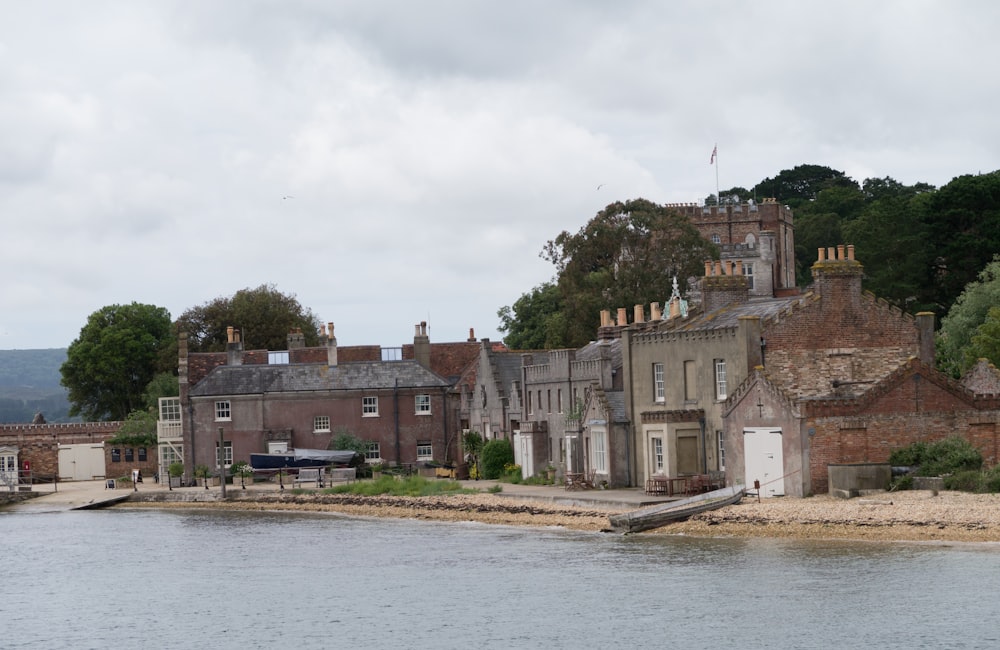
pixel 821 257
pixel 622 317
pixel 639 315
pixel 654 311
pixel 840 253
pixel 850 252
pixel 708 268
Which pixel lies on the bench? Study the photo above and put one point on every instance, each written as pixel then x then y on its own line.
pixel 343 474
pixel 309 475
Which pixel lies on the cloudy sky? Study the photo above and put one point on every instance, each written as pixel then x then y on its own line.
pixel 149 151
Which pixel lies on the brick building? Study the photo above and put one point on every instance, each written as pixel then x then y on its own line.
pixel 71 451
pixel 402 401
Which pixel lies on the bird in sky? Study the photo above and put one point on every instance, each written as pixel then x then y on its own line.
pixel 287 196
pixel 600 186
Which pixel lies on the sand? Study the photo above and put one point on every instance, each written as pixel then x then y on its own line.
pixel 918 516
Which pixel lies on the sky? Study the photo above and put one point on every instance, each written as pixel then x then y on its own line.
pixel 389 163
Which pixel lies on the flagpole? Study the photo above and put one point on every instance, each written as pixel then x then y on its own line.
pixel 718 197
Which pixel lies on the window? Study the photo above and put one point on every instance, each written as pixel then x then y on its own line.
pixel 531 406
pixel 223 413
pixel 171 454
pixel 720 379
pixel 142 455
pixel 690 382
pixel 721 436
pixel 600 451
pixel 423 404
pixel 659 392
pixel 372 453
pixel 657 455
pixel 425 451
pixel 540 402
pixel 170 409
pixel 227 453
pixel 321 424
pixel 369 406
pixel 548 398
pixel 559 399
pixel 116 455
pixel 278 358
pixel 716 239
pixel 129 455
pixel 748 272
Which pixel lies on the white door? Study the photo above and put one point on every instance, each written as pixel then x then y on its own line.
pixel 523 455
pixel 763 461
pixel 83 462
pixel 8 466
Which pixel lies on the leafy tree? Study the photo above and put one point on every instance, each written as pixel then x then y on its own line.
pixel 813 231
pixel 343 440
pixel 263 315
pixel 627 254
pixel 164 384
pixel 536 320
pixel 116 355
pixel 985 342
pixel 734 195
pixel 138 430
pixel 801 184
pixel 954 339
pixel 964 224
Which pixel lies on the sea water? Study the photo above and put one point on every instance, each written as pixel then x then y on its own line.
pixel 139 578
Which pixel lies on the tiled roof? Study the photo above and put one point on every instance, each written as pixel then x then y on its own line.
pixel 371 375
pixel 729 315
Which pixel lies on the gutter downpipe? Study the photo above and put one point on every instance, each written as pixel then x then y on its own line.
pixel 395 414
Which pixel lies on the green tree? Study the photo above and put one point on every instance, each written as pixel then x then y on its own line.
pixel 117 354
pixel 626 255
pixel 985 342
pixel 966 315
pixel 344 440
pixel 163 384
pixel 964 224
pixel 536 320
pixel 801 184
pixel 496 454
pixel 263 315
pixel 138 430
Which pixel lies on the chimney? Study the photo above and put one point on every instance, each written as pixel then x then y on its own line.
pixel 331 346
pixel 422 345
pixel 721 290
pixel 622 317
pixel 654 311
pixel 234 347
pixel 925 336
pixel 296 339
pixel 182 362
pixel 639 315
pixel 837 278
pixel 472 336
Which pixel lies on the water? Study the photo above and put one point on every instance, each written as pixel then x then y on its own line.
pixel 149 578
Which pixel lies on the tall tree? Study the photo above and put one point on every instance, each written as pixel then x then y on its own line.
pixel 535 321
pixel 115 357
pixel 964 319
pixel 801 184
pixel 263 315
pixel 627 254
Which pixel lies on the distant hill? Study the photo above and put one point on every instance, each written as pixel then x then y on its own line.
pixel 29 384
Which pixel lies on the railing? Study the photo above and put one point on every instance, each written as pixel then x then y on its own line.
pixel 169 429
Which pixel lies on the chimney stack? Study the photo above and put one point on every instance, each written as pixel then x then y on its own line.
pixel 296 339
pixel 331 346
pixel 722 289
pixel 234 347
pixel 837 278
pixel 422 345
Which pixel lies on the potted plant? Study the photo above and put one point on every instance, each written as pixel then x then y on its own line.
pixel 203 472
pixel 174 472
pixel 244 471
pixel 376 471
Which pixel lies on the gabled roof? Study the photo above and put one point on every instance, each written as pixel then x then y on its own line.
pixel 729 315
pixel 593 350
pixel 361 375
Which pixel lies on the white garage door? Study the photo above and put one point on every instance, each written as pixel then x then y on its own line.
pixel 764 461
pixel 81 462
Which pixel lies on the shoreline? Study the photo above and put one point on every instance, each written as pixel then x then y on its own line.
pixel 912 516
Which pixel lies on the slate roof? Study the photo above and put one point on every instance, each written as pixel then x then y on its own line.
pixel 728 316
pixel 361 375
pixel 616 400
pixel 592 351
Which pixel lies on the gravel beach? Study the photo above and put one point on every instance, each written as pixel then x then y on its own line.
pixel 900 516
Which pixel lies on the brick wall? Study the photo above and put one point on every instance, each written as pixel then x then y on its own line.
pixel 39 443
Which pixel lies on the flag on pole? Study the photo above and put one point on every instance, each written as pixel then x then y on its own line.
pixel 715 150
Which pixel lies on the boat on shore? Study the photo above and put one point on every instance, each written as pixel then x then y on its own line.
pixel 663 514
pixel 300 458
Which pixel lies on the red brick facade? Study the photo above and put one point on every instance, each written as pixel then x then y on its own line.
pixel 38 444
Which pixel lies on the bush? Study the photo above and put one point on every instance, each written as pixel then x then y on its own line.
pixel 901 483
pixel 966 481
pixel 496 454
pixel 948 456
pixel 991 480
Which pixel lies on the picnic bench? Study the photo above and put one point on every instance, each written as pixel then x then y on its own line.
pixel 309 475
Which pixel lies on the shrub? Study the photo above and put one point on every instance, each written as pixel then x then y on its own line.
pixel 946 456
pixel 965 481
pixel 909 456
pixel 991 480
pixel 901 483
pixel 496 454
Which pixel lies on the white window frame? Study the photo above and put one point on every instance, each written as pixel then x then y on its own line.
pixel 425 450
pixel 278 358
pixel 720 379
pixel 373 453
pixel 748 272
pixel 223 411
pixel 657 450
pixel 369 406
pixel 321 424
pixel 422 404
pixel 600 459
pixel 170 409
pixel 721 437
pixel 716 239
pixel 227 451
pixel 659 388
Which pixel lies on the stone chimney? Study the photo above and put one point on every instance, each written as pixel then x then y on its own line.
pixel 837 278
pixel 639 314
pixel 182 363
pixel 234 347
pixel 654 311
pixel 472 336
pixel 296 339
pixel 724 284
pixel 608 331
pixel 331 346
pixel 422 345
